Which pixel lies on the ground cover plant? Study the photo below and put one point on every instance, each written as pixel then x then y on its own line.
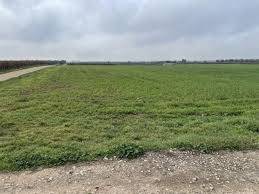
pixel 80 113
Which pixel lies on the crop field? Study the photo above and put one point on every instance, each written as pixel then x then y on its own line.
pixel 69 114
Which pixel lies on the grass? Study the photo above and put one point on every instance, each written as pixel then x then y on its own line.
pixel 81 113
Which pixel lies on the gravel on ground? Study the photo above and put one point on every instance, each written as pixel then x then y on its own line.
pixel 161 172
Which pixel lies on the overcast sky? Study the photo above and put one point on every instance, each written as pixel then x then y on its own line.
pixel 129 29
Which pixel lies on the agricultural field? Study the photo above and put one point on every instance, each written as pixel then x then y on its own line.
pixel 68 114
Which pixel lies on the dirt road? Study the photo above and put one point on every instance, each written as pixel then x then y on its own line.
pixel 13 74
pixel 167 172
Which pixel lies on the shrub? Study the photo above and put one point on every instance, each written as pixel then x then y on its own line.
pixel 129 151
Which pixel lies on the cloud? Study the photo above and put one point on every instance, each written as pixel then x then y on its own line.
pixel 129 29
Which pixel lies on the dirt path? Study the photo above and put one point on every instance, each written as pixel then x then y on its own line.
pixel 13 74
pixel 167 172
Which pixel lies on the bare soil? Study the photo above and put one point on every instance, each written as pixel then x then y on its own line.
pixel 164 172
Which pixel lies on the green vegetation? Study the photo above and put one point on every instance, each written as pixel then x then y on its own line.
pixel 81 113
pixel 129 151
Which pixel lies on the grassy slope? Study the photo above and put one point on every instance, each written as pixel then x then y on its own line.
pixel 75 113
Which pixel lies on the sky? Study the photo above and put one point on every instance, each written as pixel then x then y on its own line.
pixel 123 30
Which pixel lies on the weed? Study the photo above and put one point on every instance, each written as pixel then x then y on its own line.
pixel 129 151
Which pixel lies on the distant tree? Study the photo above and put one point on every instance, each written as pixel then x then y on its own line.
pixel 184 61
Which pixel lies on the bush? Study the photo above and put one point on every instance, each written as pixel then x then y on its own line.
pixel 129 151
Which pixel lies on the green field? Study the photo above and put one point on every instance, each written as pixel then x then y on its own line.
pixel 81 113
